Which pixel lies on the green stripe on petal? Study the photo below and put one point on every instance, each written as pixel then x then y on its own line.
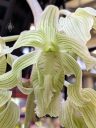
pixel 10 79
pixel 3 65
pixel 66 115
pixel 74 90
pixel 10 59
pixel 9 116
pixel 5 96
pixel 48 22
pixel 89 115
pixel 68 44
pixel 54 107
pixel 87 12
pixel 30 38
pixel 72 25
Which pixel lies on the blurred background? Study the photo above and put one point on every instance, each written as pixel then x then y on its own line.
pixel 15 17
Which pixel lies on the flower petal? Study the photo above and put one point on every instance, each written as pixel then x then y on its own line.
pixel 68 44
pixel 5 96
pixel 11 58
pixel 74 90
pixel 10 79
pixel 9 116
pixel 72 25
pixel 70 116
pixel 48 22
pixel 30 38
pixel 53 108
pixel 3 65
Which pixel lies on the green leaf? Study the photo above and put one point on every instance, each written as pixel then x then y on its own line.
pixel 9 116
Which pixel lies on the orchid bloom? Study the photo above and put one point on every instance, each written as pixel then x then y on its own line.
pixel 78 24
pixel 51 60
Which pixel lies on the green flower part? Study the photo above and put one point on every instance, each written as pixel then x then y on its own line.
pixel 80 22
pixel 9 58
pixel 70 116
pixel 52 60
pixel 9 112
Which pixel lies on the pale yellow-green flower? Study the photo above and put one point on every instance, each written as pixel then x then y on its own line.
pixel 51 60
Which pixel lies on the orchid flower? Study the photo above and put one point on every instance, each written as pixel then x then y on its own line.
pixel 78 24
pixel 51 60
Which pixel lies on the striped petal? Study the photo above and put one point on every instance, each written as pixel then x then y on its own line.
pixel 70 116
pixel 80 22
pixel 3 65
pixel 30 38
pixel 10 79
pixel 5 96
pixel 79 25
pixel 9 115
pixel 10 59
pixel 67 44
pixel 48 23
pixel 74 90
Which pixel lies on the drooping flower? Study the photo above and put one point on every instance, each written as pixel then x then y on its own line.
pixel 52 60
